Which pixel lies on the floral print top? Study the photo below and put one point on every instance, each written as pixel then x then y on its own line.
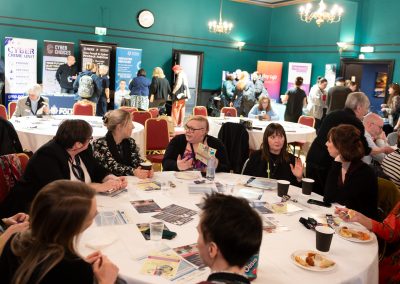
pixel 120 159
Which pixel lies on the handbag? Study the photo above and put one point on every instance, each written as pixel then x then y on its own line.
pixel 182 93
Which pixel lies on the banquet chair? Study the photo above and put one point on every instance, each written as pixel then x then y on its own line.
pixel 129 109
pixel 244 166
pixel 154 112
pixel 229 111
pixel 11 108
pixel 3 112
pixel 236 140
pixel 156 139
pixel 388 197
pixel 392 138
pixel 305 120
pixel 200 110
pixel 141 116
pixel 12 166
pixel 84 107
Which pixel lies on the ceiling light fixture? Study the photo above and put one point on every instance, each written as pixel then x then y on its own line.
pixel 321 15
pixel 221 27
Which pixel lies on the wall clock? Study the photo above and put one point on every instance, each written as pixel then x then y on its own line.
pixel 145 19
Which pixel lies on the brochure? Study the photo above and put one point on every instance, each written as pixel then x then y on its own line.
pixel 191 254
pixel 204 153
pixel 148 186
pixel 143 227
pixel 146 206
pixel 161 264
pixel 263 183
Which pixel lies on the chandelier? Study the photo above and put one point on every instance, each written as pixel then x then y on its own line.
pixel 220 27
pixel 321 15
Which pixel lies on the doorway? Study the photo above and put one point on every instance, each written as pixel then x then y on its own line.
pixel 192 64
pixel 372 77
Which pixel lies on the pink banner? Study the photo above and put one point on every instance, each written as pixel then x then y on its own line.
pixel 272 73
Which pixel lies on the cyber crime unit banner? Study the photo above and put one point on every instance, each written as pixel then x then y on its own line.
pixel 272 73
pixel 128 63
pixel 300 70
pixel 20 58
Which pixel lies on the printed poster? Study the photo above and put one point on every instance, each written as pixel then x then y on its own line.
pixel 300 70
pixel 330 75
pixel 272 73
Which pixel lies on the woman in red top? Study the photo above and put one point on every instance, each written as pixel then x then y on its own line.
pixel 388 230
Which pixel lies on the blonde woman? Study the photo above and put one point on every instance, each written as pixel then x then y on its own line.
pixel 117 151
pixel 244 94
pixel 159 88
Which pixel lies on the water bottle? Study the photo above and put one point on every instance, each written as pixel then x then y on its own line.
pixel 210 175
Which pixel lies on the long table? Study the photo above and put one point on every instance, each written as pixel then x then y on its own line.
pixel 356 262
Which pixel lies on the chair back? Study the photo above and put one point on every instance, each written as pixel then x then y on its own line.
pixel 156 134
pixel 84 107
pixel 10 172
pixel 229 111
pixel 388 197
pixel 11 108
pixel 24 159
pixel 236 140
pixel 307 120
pixel 3 112
pixel 154 112
pixel 129 109
pixel 141 116
pixel 200 110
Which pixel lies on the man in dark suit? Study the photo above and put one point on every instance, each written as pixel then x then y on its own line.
pixel 337 95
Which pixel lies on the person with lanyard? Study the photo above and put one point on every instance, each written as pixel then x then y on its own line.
pixel 273 160
pixel 33 103
pixel 67 156
pixel 180 154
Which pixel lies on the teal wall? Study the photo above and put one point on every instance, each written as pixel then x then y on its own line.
pixel 270 34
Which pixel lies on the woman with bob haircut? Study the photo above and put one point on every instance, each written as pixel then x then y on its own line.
pixel 350 181
pixel 263 109
pixel 46 253
pixel 117 151
pixel 273 160
pixel 67 156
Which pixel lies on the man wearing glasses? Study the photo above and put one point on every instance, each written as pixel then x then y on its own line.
pixel 181 153
pixel 376 139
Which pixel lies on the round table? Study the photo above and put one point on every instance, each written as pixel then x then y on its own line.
pixel 33 132
pixel 356 262
pixel 294 131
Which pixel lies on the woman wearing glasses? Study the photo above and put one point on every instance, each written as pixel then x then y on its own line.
pixel 117 151
pixel 182 150
pixel 66 156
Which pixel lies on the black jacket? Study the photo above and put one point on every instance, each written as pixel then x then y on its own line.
pixel 257 166
pixel 337 98
pixel 49 163
pixel 359 191
pixel 9 140
pixel 63 73
pixel 177 147
pixel 160 88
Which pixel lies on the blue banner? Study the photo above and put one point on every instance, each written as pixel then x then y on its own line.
pixel 61 103
pixel 127 65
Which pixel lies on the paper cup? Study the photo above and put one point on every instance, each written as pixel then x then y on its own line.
pixel 307 186
pixel 283 187
pixel 323 238
pixel 146 165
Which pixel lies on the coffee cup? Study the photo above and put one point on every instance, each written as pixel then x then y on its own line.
pixel 283 187
pixel 307 186
pixel 261 117
pixel 147 165
pixel 323 239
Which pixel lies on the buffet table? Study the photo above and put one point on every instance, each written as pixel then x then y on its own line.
pixel 124 244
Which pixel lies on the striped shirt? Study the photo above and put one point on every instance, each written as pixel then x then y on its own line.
pixel 391 166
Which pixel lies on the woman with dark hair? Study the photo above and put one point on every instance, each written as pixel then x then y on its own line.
pixel 273 160
pixel 117 151
pixel 317 101
pixel 139 87
pixel 350 181
pixel 392 106
pixel 263 109
pixel 228 89
pixel 67 156
pixel 295 99
pixel 46 253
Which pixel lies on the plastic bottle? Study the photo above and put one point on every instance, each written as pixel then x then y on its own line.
pixel 210 174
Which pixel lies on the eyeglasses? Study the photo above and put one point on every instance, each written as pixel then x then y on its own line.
pixel 90 139
pixel 380 126
pixel 191 129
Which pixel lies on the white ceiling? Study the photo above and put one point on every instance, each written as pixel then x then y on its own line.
pixel 272 3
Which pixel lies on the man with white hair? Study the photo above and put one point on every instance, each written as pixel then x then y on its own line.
pixel 376 138
pixel 33 103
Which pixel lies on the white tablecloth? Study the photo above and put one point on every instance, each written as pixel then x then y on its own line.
pixel 294 131
pixel 356 262
pixel 33 132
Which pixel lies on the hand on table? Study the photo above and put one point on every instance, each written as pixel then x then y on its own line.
pixel 143 174
pixel 184 164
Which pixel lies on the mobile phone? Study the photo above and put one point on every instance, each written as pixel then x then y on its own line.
pixel 319 203
pixel 250 180
pixel 199 181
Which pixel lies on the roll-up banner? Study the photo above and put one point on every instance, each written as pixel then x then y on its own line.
pixel 127 65
pixel 20 58
pixel 300 70
pixel 330 75
pixel 272 73
pixel 97 54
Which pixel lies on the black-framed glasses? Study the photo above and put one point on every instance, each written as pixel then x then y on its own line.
pixel 191 129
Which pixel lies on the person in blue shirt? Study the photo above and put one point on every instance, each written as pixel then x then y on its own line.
pixel 139 87
pixel 264 109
